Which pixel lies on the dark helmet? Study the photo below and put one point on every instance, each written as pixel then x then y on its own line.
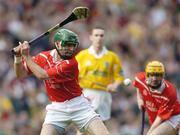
pixel 66 38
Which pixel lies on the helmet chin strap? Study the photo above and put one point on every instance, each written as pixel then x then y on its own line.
pixel 148 80
pixel 62 57
pixel 57 49
pixel 156 87
pixel 159 87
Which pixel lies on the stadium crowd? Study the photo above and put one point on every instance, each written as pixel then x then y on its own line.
pixel 137 30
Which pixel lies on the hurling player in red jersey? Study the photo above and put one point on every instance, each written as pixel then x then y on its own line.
pixel 159 98
pixel 58 69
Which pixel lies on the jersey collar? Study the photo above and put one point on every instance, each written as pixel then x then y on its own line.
pixel 54 55
pixel 99 55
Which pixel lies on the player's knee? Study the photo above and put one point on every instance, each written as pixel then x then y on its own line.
pixel 98 128
pixel 106 133
pixel 103 132
pixel 52 129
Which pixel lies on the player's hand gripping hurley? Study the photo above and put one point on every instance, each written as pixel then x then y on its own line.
pixel 77 13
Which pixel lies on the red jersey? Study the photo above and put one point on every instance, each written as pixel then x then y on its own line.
pixel 63 76
pixel 163 104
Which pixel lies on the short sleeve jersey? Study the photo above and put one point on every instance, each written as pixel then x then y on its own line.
pixel 63 76
pixel 163 104
pixel 103 70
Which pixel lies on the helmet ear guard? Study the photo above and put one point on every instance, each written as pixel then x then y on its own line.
pixel 155 68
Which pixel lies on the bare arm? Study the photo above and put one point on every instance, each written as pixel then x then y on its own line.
pixel 140 101
pixel 155 124
pixel 113 86
pixel 18 67
pixel 39 72
pixel 36 69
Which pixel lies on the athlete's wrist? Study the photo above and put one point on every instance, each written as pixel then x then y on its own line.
pixel 17 59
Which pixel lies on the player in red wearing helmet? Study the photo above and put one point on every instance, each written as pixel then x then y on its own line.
pixel 58 69
pixel 159 98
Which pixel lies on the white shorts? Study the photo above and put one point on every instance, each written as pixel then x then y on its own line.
pixel 101 102
pixel 174 121
pixel 77 110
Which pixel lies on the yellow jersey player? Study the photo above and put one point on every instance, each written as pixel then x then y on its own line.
pixel 100 72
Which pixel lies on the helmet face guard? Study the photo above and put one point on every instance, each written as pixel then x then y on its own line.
pixel 155 72
pixel 155 67
pixel 66 43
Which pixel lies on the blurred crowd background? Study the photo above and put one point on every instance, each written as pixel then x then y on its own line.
pixel 137 30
